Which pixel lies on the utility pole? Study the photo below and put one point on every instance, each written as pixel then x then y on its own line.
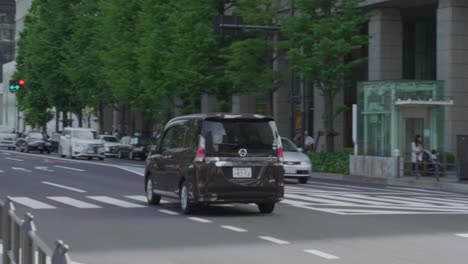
pixel 293 83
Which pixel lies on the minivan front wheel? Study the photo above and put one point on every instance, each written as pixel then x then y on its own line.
pixel 152 198
pixel 185 204
pixel 266 208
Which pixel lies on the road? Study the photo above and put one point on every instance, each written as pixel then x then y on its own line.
pixel 98 208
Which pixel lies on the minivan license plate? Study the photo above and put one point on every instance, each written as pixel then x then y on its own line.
pixel 241 172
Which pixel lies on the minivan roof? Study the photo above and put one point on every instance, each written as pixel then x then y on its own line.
pixel 220 116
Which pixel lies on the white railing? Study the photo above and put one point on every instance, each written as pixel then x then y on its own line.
pixel 22 245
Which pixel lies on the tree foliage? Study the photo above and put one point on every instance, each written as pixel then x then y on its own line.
pixel 323 35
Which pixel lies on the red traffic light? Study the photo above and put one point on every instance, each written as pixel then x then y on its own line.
pixel 21 82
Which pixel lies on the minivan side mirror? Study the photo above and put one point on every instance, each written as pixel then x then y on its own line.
pixel 67 136
pixel 300 149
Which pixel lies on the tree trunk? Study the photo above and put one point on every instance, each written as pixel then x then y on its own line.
pixel 328 122
pixel 122 129
pixel 80 118
pixel 101 116
pixel 57 120
pixel 64 119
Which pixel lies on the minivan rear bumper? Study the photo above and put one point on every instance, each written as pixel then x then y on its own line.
pixel 215 183
pixel 222 198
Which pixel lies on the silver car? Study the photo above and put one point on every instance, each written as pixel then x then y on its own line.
pixel 8 137
pixel 296 164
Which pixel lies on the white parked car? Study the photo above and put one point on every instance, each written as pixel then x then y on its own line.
pixel 8 137
pixel 81 142
pixel 111 144
pixel 296 164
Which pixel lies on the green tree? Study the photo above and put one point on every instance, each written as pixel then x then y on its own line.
pixel 249 60
pixel 324 34
pixel 81 64
pixel 33 100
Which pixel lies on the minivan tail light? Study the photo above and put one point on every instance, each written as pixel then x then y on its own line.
pixel 280 150
pixel 201 150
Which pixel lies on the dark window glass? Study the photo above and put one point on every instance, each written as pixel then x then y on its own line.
pixel 36 135
pixel 288 145
pixel 174 138
pixel 228 136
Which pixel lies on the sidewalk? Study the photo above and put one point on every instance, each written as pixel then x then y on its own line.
pixel 448 183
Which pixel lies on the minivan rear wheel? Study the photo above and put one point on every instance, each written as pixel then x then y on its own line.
pixel 266 208
pixel 185 204
pixel 152 198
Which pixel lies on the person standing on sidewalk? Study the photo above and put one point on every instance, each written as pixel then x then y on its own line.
pixel 416 153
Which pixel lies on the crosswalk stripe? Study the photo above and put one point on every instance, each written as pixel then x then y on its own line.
pixel 31 203
pixel 349 199
pixel 116 202
pixel 462 235
pixel 444 201
pixel 315 199
pixel 73 202
pixel 425 201
pixel 142 198
pixel 391 201
pixel 415 190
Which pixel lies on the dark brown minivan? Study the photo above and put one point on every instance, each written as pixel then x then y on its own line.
pixel 217 158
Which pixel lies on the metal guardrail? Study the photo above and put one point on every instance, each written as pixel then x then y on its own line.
pixel 427 169
pixel 22 245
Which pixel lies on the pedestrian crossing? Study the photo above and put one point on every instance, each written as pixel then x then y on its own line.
pixel 358 200
pixel 322 197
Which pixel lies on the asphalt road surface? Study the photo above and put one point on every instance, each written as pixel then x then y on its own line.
pixel 99 209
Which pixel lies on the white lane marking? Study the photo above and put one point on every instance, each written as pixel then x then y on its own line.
pixel 168 212
pixel 1 248
pixel 233 228
pixel 116 202
pixel 20 169
pixel 275 240
pixel 73 202
pixel 32 203
pixel 462 235
pixel 14 159
pixel 1 171
pixel 64 187
pixel 142 198
pixel 68 168
pixel 5 153
pixel 43 169
pixel 201 220
pixel 321 254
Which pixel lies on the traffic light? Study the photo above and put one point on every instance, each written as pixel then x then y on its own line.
pixel 16 85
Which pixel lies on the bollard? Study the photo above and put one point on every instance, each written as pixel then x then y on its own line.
pixel 7 209
pixel 60 255
pixel 27 253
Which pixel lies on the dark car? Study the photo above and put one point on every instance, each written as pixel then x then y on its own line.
pixel 34 140
pixel 134 147
pixel 55 141
pixel 217 158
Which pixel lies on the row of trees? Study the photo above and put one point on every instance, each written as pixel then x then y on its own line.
pixel 152 56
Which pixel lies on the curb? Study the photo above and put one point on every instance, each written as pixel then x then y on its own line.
pixel 428 184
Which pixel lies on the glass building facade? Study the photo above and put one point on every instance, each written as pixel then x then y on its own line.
pixel 7 33
pixel 391 113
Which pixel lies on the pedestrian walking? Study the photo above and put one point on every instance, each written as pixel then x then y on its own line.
pixel 417 153
pixel 308 142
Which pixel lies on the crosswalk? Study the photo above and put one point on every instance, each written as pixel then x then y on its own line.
pixel 358 200
pixel 330 198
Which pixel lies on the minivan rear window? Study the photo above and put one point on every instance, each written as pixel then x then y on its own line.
pixel 227 136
